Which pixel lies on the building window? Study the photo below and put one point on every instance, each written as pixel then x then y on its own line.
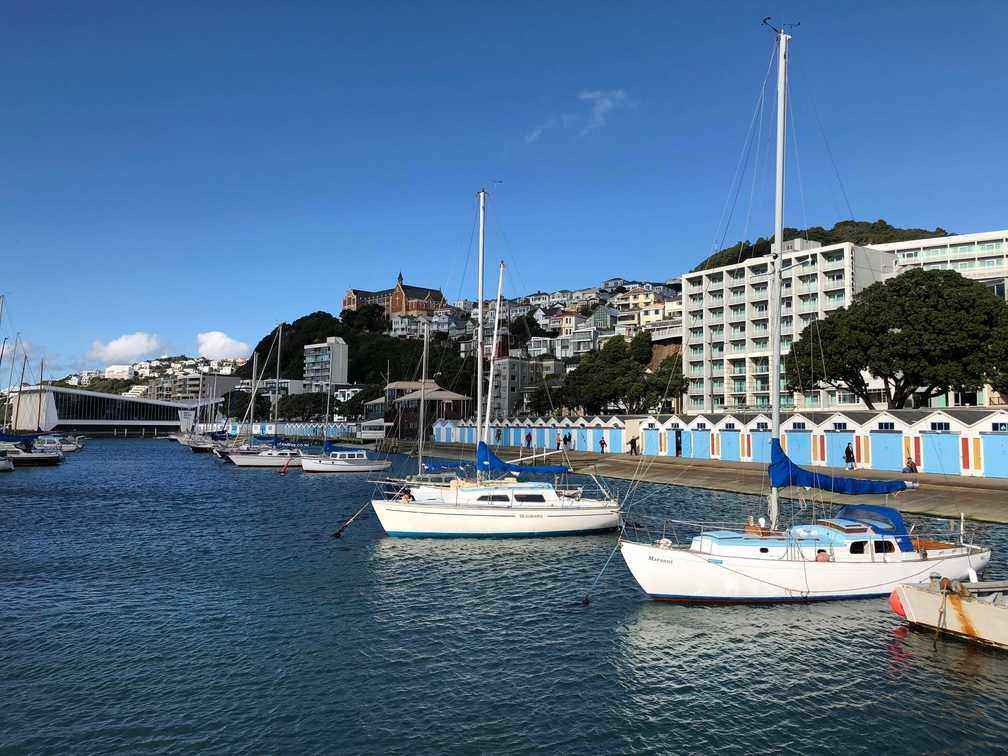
pixel 701 426
pixel 729 426
pixel 999 427
pixel 940 427
pixel 887 426
pixel 839 426
pixel 798 426
pixel 762 426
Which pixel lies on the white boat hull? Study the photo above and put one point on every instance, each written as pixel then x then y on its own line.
pixel 6 465
pixel 433 520
pixel 966 617
pixel 326 465
pixel 682 575
pixel 255 460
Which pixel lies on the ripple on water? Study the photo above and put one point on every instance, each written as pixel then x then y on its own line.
pixel 157 600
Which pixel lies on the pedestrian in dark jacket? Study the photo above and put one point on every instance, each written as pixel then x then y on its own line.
pixel 848 456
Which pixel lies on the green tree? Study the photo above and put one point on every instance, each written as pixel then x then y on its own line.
pixel 925 331
pixel 235 405
pixel 302 407
pixel 641 349
pixel 668 384
pixel 998 376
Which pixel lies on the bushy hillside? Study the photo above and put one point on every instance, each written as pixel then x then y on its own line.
pixel 857 232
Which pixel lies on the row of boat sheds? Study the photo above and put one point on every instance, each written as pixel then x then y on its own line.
pixel 954 441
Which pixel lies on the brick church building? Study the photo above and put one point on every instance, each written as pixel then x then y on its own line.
pixel 402 299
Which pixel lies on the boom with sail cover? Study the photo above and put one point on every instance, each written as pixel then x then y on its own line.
pixel 487 461
pixel 784 472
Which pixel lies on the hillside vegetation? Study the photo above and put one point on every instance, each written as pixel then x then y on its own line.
pixel 857 232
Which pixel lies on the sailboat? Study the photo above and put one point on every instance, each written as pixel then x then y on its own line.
pixel 482 505
pixel 862 551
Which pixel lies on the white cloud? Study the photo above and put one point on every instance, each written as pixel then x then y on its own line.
pixel 216 345
pixel 127 348
pixel 603 102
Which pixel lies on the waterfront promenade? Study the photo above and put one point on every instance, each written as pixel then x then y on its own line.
pixel 981 499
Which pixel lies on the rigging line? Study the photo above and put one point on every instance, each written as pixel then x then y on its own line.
pixel 747 145
pixel 755 174
pixel 829 151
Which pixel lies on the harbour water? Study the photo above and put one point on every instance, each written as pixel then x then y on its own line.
pixel 152 599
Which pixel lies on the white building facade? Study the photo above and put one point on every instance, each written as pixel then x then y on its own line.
pixel 726 342
pixel 325 363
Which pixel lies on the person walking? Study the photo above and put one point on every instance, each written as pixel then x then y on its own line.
pixel 558 441
pixel 633 446
pixel 602 444
pixel 528 440
pixel 497 435
pixel 848 456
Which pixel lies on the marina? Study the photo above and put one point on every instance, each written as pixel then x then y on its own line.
pixel 209 606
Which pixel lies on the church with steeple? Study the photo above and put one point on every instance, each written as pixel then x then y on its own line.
pixel 401 299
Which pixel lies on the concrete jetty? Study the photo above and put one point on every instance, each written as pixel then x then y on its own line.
pixel 980 499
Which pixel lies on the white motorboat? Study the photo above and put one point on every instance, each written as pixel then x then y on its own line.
pixel 343 462
pixel 975 611
pixel 59 443
pixel 24 455
pixel 862 551
pixel 481 505
pixel 267 458
pixel 5 464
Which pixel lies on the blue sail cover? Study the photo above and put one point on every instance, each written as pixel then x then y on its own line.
pixel 784 473
pixel 18 437
pixel 487 461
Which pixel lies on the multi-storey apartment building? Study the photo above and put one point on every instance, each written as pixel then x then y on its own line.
pixel 325 364
pixel 512 376
pixel 726 344
pixel 982 257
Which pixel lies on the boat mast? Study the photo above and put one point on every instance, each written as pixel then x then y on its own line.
pixel 423 399
pixel 10 379
pixel 17 408
pixel 328 397
pixel 276 386
pixel 479 312
pixel 493 352
pixel 38 401
pixel 776 263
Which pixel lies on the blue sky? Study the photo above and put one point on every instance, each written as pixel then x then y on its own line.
pixel 207 167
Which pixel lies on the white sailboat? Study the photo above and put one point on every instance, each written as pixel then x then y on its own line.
pixel 862 551
pixel 355 461
pixel 481 506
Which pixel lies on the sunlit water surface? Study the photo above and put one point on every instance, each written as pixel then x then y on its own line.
pixel 152 599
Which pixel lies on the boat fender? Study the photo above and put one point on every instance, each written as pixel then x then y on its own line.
pixel 822 556
pixel 924 555
pixel 664 543
pixel 895 604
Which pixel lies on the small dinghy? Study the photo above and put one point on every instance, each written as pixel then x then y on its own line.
pixel 975 611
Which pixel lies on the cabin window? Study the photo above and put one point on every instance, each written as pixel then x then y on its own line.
pixel 940 426
pixel 764 550
pixel 530 498
pixel 887 426
pixel 858 547
pixel 493 497
pixel 884 547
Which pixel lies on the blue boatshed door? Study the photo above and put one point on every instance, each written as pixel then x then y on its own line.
pixel 940 453
pixel 615 440
pixel 731 446
pixel 995 455
pixel 799 446
pixel 650 441
pixel 887 450
pixel 760 443
pixel 836 445
pixel 701 444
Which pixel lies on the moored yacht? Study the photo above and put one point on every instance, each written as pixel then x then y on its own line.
pixel 343 462
pixel 267 458
pixel 863 551
pixel 24 455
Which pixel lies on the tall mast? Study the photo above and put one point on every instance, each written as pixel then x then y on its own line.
pixel 17 408
pixel 777 261
pixel 276 386
pixel 423 399
pixel 479 312
pixel 493 352
pixel 38 400
pixel 10 378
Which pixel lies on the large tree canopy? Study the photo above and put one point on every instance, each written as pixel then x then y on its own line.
pixel 927 331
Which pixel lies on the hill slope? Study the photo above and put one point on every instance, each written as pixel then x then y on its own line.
pixel 857 232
